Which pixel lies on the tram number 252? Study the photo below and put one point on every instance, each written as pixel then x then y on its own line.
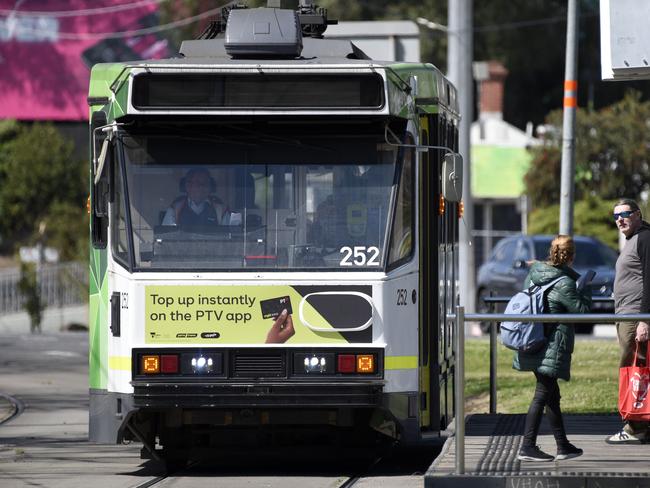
pixel 402 297
pixel 359 256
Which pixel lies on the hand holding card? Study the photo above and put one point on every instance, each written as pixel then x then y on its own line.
pixel 281 330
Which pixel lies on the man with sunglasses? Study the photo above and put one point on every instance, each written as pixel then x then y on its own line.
pixel 632 296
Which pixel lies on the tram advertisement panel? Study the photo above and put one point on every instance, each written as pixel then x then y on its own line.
pixel 250 314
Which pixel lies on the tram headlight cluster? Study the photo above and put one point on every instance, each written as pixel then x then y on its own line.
pixel 330 363
pixel 187 364
pixel 202 365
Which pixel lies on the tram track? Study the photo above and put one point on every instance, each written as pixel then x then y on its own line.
pixel 151 482
pixel 348 483
pixel 19 407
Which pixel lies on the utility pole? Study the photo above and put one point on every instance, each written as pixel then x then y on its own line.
pixel 460 54
pixel 569 121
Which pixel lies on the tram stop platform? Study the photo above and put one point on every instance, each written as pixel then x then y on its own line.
pixel 492 442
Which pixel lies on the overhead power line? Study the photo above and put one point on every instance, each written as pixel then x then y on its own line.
pixel 76 36
pixel 80 12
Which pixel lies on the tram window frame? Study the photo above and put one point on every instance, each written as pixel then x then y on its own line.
pixel 407 158
pixel 136 249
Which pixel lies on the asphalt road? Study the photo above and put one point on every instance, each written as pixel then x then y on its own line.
pixel 45 444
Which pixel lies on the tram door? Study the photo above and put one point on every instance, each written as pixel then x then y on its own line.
pixel 438 264
pixel 429 405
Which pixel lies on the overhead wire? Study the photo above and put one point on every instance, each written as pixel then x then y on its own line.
pixel 80 12
pixel 76 36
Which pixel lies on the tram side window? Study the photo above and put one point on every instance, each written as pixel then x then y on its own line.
pixel 119 237
pixel 401 243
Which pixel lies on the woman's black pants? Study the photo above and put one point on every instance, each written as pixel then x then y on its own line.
pixel 547 394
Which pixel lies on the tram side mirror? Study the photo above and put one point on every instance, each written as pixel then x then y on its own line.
pixel 101 181
pixel 452 177
pixel 100 154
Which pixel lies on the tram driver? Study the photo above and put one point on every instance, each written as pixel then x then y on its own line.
pixel 198 206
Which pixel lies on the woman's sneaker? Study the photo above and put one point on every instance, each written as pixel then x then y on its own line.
pixel 623 437
pixel 533 453
pixel 567 452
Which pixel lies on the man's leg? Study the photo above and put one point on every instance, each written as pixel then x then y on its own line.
pixel 626 332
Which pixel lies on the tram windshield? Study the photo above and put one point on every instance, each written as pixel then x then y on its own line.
pixel 215 203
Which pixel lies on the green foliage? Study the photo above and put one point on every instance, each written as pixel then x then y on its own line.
pixel 592 217
pixel 67 230
pixel 593 387
pixel 30 290
pixel 612 158
pixel 40 178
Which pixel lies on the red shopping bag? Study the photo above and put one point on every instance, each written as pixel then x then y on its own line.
pixel 633 382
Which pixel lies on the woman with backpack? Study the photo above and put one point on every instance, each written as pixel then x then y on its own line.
pixel 554 360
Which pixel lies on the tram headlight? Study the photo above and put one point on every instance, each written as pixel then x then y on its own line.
pixel 312 363
pixel 202 363
pixel 315 364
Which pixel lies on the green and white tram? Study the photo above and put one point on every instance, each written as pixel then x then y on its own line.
pixel 274 223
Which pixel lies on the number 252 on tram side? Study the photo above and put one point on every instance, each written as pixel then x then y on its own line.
pixel 274 245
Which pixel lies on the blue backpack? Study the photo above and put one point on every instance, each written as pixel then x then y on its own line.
pixel 526 337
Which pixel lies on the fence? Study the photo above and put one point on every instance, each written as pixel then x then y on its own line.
pixel 61 284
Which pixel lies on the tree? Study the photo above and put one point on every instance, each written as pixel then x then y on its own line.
pixel 592 217
pixel 39 174
pixel 612 157
pixel 67 230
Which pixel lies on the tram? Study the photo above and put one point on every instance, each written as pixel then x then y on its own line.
pixel 274 230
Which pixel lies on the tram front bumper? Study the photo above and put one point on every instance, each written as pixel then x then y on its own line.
pixel 248 395
pixel 206 395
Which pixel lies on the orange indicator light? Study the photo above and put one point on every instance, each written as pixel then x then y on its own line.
pixel 365 363
pixel 441 206
pixel 151 364
pixel 461 209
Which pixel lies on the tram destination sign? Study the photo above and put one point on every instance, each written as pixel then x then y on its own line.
pixel 210 91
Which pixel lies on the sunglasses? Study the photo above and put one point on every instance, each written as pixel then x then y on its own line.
pixel 625 214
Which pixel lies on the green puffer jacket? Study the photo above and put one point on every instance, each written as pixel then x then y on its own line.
pixel 555 359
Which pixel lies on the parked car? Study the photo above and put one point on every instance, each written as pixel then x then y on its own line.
pixel 504 273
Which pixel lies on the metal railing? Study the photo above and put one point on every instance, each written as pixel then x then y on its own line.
pixel 60 284
pixel 460 317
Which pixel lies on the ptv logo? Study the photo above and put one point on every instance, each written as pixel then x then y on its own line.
pixel 639 388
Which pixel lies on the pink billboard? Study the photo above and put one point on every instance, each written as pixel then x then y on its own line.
pixel 48 46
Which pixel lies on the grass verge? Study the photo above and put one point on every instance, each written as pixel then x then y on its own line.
pixel 593 387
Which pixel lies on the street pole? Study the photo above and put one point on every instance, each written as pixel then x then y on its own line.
pixel 568 126
pixel 460 54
